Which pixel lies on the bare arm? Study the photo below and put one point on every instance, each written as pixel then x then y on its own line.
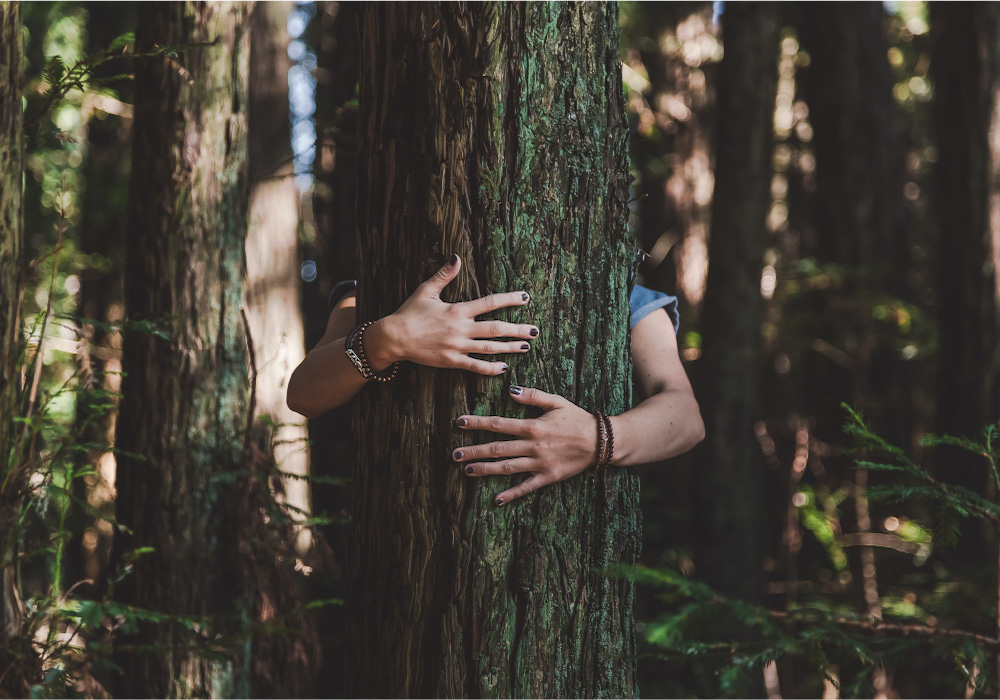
pixel 424 330
pixel 326 378
pixel 668 422
pixel 563 441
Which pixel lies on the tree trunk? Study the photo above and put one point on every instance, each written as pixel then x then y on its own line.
pixel 964 70
pixel 102 242
pixel 11 247
pixel 496 132
pixel 184 413
pixel 273 305
pixel 848 86
pixel 283 664
pixel 335 37
pixel 730 469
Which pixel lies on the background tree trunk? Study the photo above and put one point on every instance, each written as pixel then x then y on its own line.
pixel 496 132
pixel 102 240
pixel 334 33
pixel 273 298
pixel 11 251
pixel 185 399
pixel 964 70
pixel 730 469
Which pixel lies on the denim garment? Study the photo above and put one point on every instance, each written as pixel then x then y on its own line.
pixel 641 301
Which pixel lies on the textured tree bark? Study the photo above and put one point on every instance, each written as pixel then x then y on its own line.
pixel 728 462
pixel 497 132
pixel 965 72
pixel 11 251
pixel 185 404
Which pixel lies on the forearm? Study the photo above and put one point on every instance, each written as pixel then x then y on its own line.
pixel 664 425
pixel 327 378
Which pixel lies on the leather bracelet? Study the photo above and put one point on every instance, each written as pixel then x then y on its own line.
pixel 360 360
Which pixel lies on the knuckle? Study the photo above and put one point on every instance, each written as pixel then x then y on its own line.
pixel 497 449
pixel 508 467
pixel 496 328
pixel 496 423
pixel 490 302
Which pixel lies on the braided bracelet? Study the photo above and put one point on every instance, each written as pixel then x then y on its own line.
pixel 605 441
pixel 611 439
pixel 360 359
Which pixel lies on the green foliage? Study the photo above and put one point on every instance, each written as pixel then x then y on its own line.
pixel 729 641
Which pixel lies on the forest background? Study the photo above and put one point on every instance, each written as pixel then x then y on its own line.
pixel 803 549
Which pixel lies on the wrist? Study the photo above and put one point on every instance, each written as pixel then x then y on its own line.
pixel 381 346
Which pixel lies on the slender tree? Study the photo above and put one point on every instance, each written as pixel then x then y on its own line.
pixel 101 239
pixel 186 401
pixel 496 132
pixel 729 465
pixel 11 246
pixel 965 70
pixel 273 308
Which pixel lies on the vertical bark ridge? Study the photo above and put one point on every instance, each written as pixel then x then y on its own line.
pixel 11 252
pixel 482 133
pixel 185 396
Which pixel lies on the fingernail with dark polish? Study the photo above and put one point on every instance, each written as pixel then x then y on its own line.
pixel 454 259
pixel 461 422
pixel 499 501
pixel 470 469
pixel 505 367
pixel 533 332
pixel 525 346
pixel 457 455
pixel 515 390
pixel 525 297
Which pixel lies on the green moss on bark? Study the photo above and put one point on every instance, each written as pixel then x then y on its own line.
pixel 495 131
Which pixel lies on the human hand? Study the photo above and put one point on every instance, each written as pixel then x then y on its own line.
pixel 559 444
pixel 435 333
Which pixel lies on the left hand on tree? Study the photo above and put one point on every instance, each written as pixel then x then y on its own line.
pixel 559 444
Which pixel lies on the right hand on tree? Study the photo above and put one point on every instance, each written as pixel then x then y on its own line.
pixel 435 333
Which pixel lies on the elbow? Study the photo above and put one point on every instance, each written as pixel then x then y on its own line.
pixel 696 430
pixel 296 399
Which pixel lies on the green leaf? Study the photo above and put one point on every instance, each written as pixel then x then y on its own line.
pixel 54 70
pixel 121 41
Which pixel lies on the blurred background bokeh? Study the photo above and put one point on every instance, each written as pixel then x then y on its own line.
pixel 874 285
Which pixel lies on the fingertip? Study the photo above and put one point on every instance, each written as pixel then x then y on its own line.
pixel 454 260
pixel 516 391
pixel 525 297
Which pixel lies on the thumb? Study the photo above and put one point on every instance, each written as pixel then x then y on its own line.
pixel 536 397
pixel 443 276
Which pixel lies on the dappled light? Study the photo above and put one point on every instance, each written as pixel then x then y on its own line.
pixel 535 350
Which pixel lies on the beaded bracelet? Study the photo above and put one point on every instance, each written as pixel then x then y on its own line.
pixel 605 441
pixel 360 359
